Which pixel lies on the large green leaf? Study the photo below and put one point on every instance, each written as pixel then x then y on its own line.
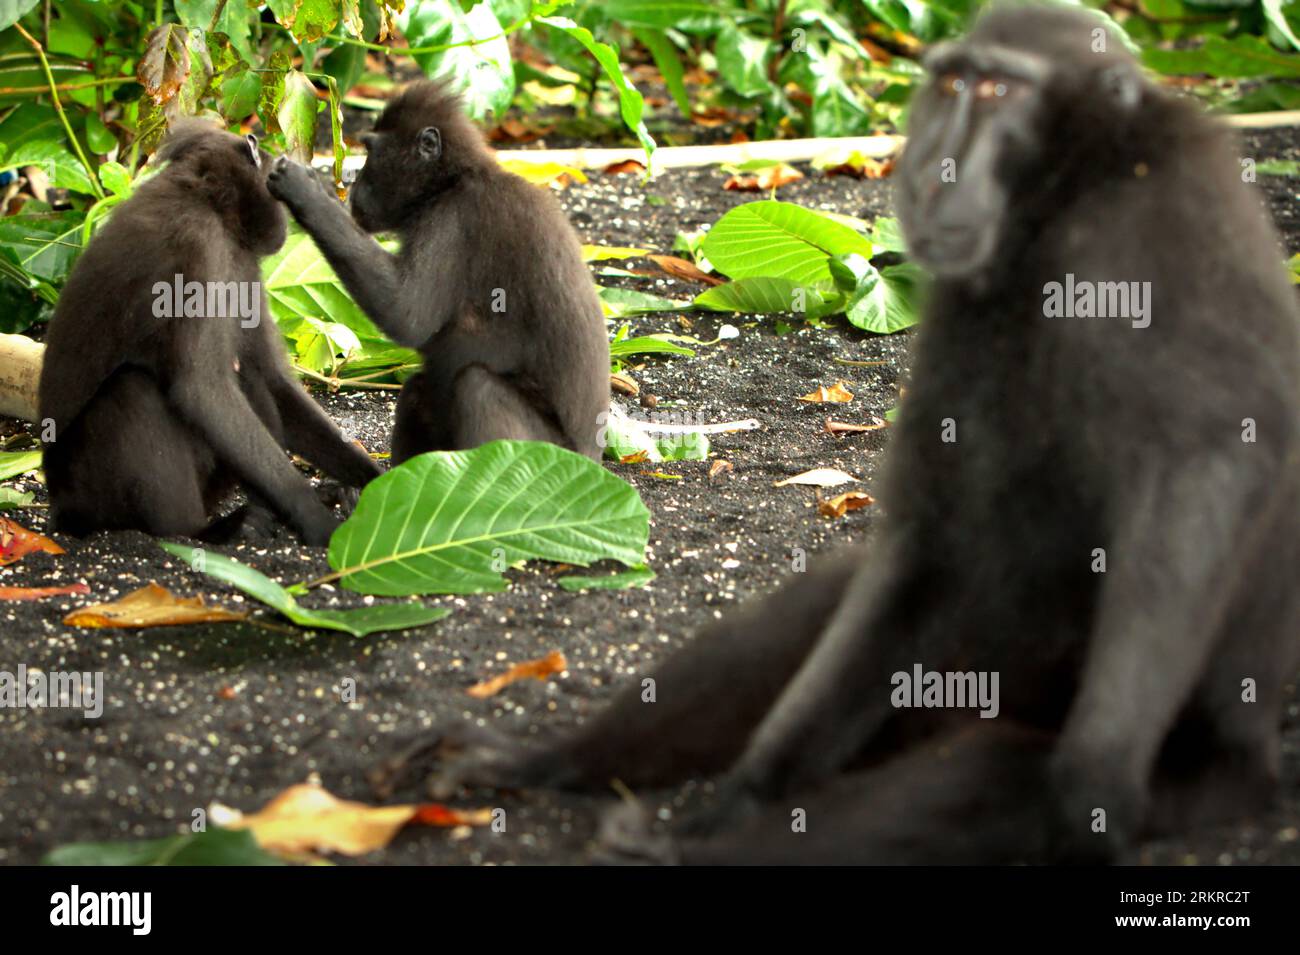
pixel 14 463
pixel 669 63
pixel 1242 57
pixel 358 622
pixel 626 301
pixel 306 19
pixel 660 13
pixel 11 11
pixel 452 521
pixel 213 846
pixel 631 104
pixel 763 295
pixel 774 239
pixel 296 115
pixel 299 283
pixel 481 73
pixel 742 60
pixel 886 300
pixel 31 135
pixel 44 244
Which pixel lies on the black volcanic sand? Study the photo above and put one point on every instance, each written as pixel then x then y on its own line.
pixel 236 712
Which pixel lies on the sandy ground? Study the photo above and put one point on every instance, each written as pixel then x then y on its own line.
pixel 236 712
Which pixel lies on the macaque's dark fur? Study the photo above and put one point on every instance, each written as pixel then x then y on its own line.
pixel 1121 690
pixel 473 236
pixel 157 418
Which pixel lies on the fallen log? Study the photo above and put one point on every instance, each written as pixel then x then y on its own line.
pixel 20 370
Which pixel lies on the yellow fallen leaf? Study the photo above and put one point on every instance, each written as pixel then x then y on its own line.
pixel 544 173
pixel 553 662
pixel 841 505
pixel 601 253
pixel 308 818
pixel 837 392
pixel 818 477
pixel 151 606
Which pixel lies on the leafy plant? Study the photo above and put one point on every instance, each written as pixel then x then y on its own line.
pixel 785 258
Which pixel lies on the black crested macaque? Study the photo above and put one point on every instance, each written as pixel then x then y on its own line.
pixel 1106 513
pixel 489 284
pixel 165 377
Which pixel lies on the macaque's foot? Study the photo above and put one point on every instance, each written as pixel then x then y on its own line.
pixel 733 806
pixel 464 756
pixel 1098 814
pixel 627 836
pixel 333 495
pixel 317 528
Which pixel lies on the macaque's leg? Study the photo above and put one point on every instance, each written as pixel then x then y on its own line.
pixel 692 713
pixel 972 796
pixel 488 408
pixel 128 462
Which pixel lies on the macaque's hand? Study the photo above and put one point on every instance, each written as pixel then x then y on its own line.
pixel 293 183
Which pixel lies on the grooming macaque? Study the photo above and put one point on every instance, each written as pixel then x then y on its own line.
pixel 1104 511
pixel 165 379
pixel 489 284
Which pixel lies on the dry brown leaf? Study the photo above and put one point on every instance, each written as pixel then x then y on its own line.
pixel 682 269
pixel 627 165
pixel 553 662
pixel 818 477
pixel 40 593
pixel 307 818
pixel 869 169
pixel 720 466
pixel 713 116
pixel 16 542
pixel 837 393
pixel 849 501
pixel 773 177
pixel 150 606
pixel 623 384
pixel 512 130
pixel 840 427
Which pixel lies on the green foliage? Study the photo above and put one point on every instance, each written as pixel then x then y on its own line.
pixel 14 463
pixel 213 846
pixel 359 622
pixel 452 522
pixel 785 258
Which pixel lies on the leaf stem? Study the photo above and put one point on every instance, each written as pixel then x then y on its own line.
pixel 58 108
pixel 216 15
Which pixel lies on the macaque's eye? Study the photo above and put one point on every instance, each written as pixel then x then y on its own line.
pixel 950 84
pixel 992 87
pixel 254 153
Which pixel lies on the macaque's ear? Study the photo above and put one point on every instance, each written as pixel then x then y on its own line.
pixel 254 153
pixel 429 143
